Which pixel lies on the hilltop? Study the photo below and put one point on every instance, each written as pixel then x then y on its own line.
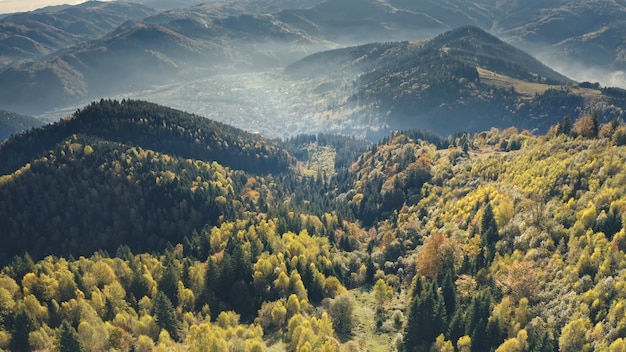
pixel 141 155
pixel 154 127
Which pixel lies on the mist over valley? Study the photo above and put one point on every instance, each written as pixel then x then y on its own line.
pixel 231 61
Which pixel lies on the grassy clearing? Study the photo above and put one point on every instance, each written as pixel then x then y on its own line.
pixel 321 161
pixel 279 346
pixel 365 333
pixel 529 89
pixel 520 86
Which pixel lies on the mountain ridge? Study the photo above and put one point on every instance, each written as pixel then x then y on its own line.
pixel 462 79
pixel 48 30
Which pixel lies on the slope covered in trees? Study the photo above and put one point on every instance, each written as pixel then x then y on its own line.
pixel 129 173
pixel 153 127
pixel 464 79
pixel 499 240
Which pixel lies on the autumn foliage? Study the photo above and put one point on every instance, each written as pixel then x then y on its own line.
pixel 499 240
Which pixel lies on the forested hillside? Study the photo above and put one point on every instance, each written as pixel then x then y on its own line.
pixel 464 79
pixel 115 172
pixel 155 127
pixel 498 240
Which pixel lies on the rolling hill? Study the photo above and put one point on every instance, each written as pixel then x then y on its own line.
pixel 467 44
pixel 153 127
pixel 164 154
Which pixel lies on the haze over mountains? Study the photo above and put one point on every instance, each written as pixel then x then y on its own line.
pixel 32 36
pixel 583 36
pixel 225 60
pixel 181 225
pixel 12 123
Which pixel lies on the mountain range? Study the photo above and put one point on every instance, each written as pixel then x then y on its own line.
pixel 138 55
pixel 173 56
pixel 34 35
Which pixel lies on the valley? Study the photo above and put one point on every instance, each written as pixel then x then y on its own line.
pixel 260 102
pixel 356 91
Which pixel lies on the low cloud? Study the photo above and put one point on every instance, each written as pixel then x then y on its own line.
pixel 583 72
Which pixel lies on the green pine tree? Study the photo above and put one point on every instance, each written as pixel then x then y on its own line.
pixel 489 232
pixel 427 317
pixel 69 341
pixel 166 315
pixel 23 324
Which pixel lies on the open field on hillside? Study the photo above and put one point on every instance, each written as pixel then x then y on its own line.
pixel 502 81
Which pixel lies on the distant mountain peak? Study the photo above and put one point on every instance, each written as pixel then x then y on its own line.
pixel 468 30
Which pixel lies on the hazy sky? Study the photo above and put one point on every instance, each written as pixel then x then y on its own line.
pixel 8 6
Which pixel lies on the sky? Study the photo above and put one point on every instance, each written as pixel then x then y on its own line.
pixel 10 6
